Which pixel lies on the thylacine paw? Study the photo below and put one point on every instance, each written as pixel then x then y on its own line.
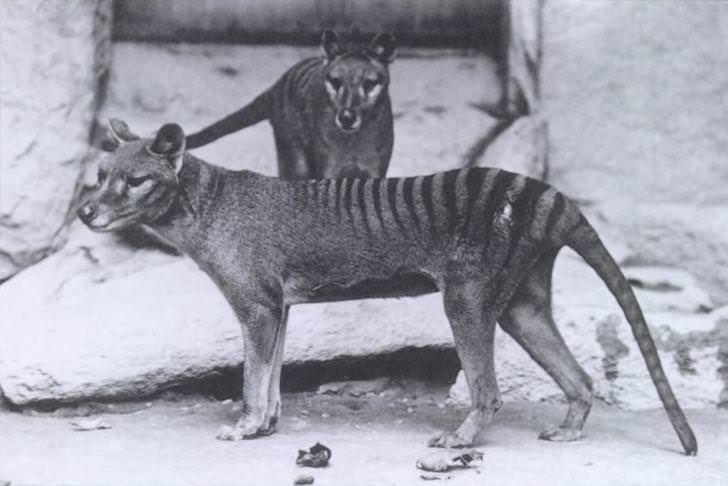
pixel 449 440
pixel 246 429
pixel 560 434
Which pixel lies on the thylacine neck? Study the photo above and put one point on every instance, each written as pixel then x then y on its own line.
pixel 183 225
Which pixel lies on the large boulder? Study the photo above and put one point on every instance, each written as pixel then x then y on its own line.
pixel 101 320
pixel 53 56
pixel 632 92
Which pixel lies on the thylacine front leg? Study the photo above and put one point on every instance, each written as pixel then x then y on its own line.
pixel 263 326
pixel 273 411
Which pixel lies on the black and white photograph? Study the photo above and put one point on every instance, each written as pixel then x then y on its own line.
pixel 363 242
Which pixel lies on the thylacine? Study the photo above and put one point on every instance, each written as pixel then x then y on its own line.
pixel 331 115
pixel 485 238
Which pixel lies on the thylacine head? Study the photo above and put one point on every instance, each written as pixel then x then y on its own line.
pixel 356 79
pixel 138 184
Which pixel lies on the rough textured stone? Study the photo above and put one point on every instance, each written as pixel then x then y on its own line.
pixel 53 56
pixel 693 237
pixel 688 337
pixel 632 93
pixel 521 148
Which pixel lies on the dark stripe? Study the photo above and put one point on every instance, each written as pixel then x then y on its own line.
pixel 426 194
pixel 523 213
pixel 326 183
pixel 348 197
pixel 315 191
pixel 392 198
pixel 304 72
pixel 363 206
pixel 474 181
pixel 556 211
pixel 376 195
pixel 502 182
pixel 337 198
pixel 409 200
pixel 448 198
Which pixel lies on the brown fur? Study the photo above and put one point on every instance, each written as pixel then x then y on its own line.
pixel 485 238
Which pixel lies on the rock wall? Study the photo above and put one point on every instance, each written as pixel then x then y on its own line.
pixel 53 55
pixel 635 97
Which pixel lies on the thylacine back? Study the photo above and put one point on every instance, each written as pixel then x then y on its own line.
pixel 331 115
pixel 486 238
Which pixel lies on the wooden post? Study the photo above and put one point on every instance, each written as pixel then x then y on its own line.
pixel 519 140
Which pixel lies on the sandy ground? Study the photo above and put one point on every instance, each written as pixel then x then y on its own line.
pixel 375 440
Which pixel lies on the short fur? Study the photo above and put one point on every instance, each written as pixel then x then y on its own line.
pixel 485 238
pixel 331 115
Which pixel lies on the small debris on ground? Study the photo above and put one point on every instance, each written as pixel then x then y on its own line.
pixel 87 424
pixel 303 479
pixel 316 456
pixel 449 459
pixel 434 477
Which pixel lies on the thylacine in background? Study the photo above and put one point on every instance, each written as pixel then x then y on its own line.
pixel 331 115
pixel 485 238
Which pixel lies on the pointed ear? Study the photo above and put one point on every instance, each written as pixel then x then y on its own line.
pixel 383 48
pixel 120 132
pixel 170 144
pixel 330 44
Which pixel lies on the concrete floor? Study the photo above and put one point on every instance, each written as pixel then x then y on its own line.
pixel 375 441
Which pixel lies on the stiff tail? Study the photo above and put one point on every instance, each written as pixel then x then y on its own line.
pixel 585 241
pixel 252 113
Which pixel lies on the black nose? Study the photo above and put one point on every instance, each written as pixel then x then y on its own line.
pixel 87 212
pixel 347 118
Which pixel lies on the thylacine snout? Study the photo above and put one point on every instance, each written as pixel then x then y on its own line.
pixel 355 79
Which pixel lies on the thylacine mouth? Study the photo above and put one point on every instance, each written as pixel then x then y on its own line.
pixel 112 225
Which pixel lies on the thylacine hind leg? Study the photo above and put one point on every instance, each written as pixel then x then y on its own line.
pixel 273 411
pixel 473 328
pixel 528 319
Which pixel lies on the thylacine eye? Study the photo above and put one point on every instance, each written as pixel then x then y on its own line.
pixel 100 177
pixel 136 181
pixel 370 84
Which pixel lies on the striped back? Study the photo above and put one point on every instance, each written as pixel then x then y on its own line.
pixel 470 205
